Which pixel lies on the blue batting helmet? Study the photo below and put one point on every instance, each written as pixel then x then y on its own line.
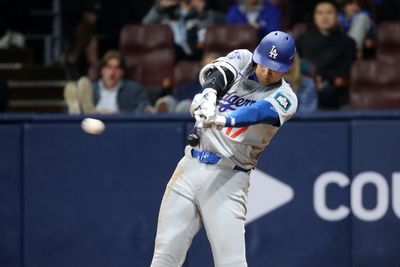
pixel 276 51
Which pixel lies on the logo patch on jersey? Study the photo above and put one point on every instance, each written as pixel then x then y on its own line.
pixel 283 101
pixel 232 102
pixel 273 53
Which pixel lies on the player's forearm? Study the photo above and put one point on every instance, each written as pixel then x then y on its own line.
pixel 219 79
pixel 259 112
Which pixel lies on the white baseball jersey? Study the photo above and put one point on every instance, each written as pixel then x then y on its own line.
pixel 244 145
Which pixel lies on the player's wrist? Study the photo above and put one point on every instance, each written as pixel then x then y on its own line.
pixel 210 95
pixel 209 90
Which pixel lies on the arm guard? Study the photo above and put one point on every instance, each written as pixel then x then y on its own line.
pixel 218 75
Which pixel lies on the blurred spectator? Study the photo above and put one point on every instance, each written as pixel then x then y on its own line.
pixel 163 11
pixel 206 17
pixel 304 87
pixel 110 94
pixel 83 52
pixel 262 15
pixel 357 23
pixel 188 20
pixel 111 16
pixel 332 52
pixel 183 94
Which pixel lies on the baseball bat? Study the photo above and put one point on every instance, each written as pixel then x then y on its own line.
pixel 194 137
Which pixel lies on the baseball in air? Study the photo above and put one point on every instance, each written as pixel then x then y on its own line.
pixel 93 126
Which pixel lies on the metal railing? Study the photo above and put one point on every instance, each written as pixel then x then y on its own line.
pixel 53 40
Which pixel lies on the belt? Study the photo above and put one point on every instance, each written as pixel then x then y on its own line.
pixel 208 157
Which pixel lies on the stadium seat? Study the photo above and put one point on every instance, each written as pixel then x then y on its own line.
pixel 225 38
pixel 388 49
pixel 33 88
pixel 149 53
pixel 186 79
pixel 375 85
pixel 42 96
pixel 186 71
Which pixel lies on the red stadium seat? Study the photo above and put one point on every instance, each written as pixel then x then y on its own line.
pixel 186 71
pixel 225 38
pixel 375 85
pixel 149 53
pixel 388 49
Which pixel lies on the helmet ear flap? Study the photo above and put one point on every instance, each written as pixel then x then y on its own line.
pixel 276 51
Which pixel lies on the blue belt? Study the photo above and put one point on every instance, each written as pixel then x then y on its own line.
pixel 208 157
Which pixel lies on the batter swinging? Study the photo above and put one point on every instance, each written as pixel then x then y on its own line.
pixel 244 102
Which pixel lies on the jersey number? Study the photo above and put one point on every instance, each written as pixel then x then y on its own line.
pixel 237 133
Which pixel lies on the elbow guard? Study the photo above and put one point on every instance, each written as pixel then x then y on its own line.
pixel 218 75
pixel 219 81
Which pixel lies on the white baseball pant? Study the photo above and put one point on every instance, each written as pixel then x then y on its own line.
pixel 199 194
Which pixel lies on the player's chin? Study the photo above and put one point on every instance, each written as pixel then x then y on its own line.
pixel 265 81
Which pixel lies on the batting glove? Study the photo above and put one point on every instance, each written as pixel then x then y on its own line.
pixel 204 104
pixel 199 119
pixel 215 121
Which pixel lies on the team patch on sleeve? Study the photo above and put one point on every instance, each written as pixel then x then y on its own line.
pixel 283 101
pixel 233 54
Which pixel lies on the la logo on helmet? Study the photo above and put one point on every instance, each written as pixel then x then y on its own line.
pixel 273 52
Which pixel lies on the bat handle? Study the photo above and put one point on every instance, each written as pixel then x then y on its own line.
pixel 194 137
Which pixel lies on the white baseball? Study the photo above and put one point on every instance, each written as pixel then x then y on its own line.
pixel 93 126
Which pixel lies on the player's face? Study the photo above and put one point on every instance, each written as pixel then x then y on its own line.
pixel 266 76
pixel 112 73
pixel 325 16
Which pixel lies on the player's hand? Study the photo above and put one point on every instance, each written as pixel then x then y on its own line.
pixel 215 121
pixel 204 104
pixel 199 119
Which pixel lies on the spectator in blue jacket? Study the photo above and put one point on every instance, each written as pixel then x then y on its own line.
pixel 262 15
pixel 111 94
pixel 358 24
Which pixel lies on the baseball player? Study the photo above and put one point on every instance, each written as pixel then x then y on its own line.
pixel 243 104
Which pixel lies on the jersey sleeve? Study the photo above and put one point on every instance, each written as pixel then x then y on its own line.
pixel 239 62
pixel 260 112
pixel 285 104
